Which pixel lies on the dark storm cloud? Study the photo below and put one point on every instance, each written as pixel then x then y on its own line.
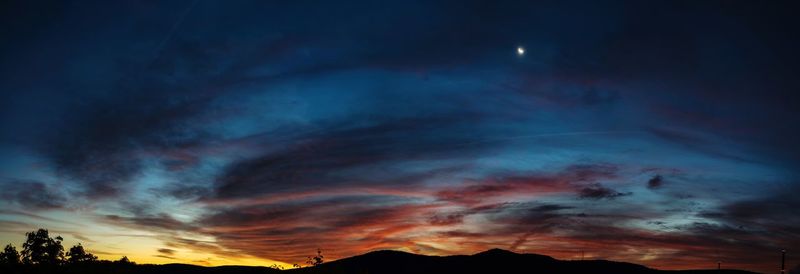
pixel 33 195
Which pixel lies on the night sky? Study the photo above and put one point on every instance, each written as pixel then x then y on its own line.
pixel 251 132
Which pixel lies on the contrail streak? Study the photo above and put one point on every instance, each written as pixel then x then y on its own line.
pixel 172 30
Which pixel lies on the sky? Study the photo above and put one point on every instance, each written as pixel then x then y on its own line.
pixel 662 133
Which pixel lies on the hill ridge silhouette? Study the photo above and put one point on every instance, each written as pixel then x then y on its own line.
pixel 490 261
pixel 395 262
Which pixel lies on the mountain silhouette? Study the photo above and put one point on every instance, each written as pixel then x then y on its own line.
pixel 397 262
pixel 491 261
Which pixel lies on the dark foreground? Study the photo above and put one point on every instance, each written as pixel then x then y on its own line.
pixel 392 262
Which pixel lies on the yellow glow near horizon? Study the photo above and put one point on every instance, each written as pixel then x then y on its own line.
pixel 111 242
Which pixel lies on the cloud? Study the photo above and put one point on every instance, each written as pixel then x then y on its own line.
pixel 163 222
pixel 447 219
pixel 184 192
pixel 327 159
pixel 598 191
pixel 372 157
pixel 102 144
pixel 166 251
pixel 540 184
pixel 700 143
pixel 770 212
pixel 550 208
pixel 526 219
pixel 33 195
pixel 590 172
pixel 655 182
pixel 288 231
pixel 563 228
pixel 164 256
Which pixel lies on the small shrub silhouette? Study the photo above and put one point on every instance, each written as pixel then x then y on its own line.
pixel 316 259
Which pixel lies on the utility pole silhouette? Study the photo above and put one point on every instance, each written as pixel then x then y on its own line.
pixel 783 261
pixel 719 266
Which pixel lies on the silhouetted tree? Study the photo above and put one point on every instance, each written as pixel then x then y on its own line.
pixel 10 256
pixel 77 254
pixel 317 259
pixel 39 248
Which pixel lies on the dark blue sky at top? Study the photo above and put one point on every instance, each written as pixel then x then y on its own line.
pixel 675 119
